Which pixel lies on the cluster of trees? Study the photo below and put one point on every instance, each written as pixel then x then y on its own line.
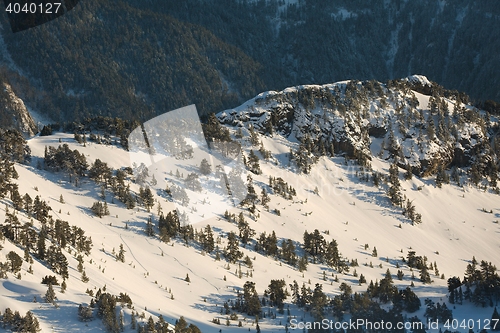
pixel 14 147
pixel 57 232
pixel 316 246
pixel 343 129
pixel 268 244
pixel 305 297
pixel 481 285
pixel 307 152
pixel 365 305
pixel 315 300
pixel 218 137
pixel 117 127
pixel 63 158
pixel 437 311
pixel 105 306
pixel 248 300
pixel 146 198
pixel 105 176
pixel 100 209
pixel 385 291
pixel 169 225
pixel 397 198
pixel 280 187
pixel 206 239
pixel 16 323
pixel 419 262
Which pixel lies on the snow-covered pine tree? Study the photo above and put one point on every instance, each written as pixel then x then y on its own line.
pixel 205 167
pixel 50 295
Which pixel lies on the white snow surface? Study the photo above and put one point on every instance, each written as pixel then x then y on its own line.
pixel 355 213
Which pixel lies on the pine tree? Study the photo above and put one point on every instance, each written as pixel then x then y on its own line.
pixel 253 163
pixel 441 177
pixel 424 275
pixel 121 322
pixel 288 252
pixel 276 293
pixel 15 261
pixel 85 278
pixel 394 191
pixel 411 302
pixel 232 251
pixel 149 230
pixel 147 198
pixel 50 295
pixel 332 255
pixel 318 302
pixel 192 182
pixel 246 233
pixel 79 258
pixel 265 199
pixel 63 286
pixel 302 264
pixel 121 254
pixel 252 302
pixel 205 167
pixel 133 321
pixel 206 239
pixel 409 172
pixel 29 323
pixel 181 325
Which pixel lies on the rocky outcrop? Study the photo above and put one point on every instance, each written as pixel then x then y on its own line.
pixel 15 113
pixel 412 121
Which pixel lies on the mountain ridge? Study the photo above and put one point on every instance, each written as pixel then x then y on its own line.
pixel 304 205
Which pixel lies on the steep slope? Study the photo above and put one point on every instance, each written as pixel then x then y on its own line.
pixel 334 196
pixel 14 114
pixel 411 121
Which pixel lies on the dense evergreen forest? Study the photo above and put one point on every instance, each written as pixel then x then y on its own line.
pixel 137 59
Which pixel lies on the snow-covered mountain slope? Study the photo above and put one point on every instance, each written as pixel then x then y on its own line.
pixel 420 123
pixel 458 222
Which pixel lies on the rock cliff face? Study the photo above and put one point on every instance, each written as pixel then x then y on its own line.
pixel 414 122
pixel 14 112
